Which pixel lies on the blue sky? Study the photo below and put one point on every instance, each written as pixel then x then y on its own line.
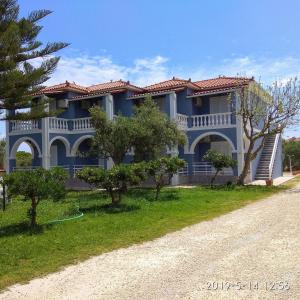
pixel 146 41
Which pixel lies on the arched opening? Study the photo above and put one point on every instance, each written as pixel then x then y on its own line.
pixel 213 141
pixel 59 151
pixel 25 154
pixel 81 151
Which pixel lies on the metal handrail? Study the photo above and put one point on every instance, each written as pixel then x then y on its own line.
pixel 271 165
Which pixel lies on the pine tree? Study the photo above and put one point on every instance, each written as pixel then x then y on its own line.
pixel 25 64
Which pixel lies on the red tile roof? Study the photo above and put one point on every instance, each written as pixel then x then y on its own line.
pixel 171 84
pixel 222 82
pixel 175 84
pixel 66 86
pixel 108 86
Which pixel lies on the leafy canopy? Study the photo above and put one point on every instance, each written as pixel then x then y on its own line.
pixel 219 161
pixel 113 138
pixel 36 185
pixel 23 159
pixel 115 180
pixel 155 132
pixel 162 171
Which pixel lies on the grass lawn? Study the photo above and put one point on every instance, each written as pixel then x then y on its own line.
pixel 24 255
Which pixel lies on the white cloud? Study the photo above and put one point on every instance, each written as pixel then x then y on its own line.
pixel 86 70
pixel 265 69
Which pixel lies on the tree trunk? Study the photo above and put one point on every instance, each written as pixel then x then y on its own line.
pixel 157 192
pixel 33 222
pixel 246 165
pixel 214 178
pixel 115 198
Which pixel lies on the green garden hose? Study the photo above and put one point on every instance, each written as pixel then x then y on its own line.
pixel 67 219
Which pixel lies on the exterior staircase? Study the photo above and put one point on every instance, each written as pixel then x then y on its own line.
pixel 262 172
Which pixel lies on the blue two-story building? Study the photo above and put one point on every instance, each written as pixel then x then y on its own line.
pixel 202 109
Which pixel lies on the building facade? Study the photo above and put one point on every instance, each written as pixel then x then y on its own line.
pixel 204 110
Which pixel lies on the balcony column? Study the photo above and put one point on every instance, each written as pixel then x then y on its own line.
pixel 109 109
pixel 171 101
pixel 7 148
pixel 239 137
pixel 45 142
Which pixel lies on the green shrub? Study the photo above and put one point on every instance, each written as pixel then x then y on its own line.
pixel 36 185
pixel 162 170
pixel 116 180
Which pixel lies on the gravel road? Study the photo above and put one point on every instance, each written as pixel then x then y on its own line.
pixel 258 245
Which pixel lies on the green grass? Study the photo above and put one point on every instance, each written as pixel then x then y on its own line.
pixel 25 254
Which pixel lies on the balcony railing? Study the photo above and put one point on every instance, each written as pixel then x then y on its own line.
pixel 211 120
pixel 205 168
pixel 184 122
pixel 60 124
pixel 24 125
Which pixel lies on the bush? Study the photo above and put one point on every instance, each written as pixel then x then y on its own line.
pixel 219 162
pixel 162 169
pixel 36 185
pixel 116 180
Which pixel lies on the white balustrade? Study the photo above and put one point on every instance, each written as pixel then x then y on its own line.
pixel 211 120
pixel 182 121
pixel 29 125
pixel 82 124
pixel 58 124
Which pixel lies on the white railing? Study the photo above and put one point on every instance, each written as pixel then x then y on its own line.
pixel 182 121
pixel 206 168
pixel 28 168
pixel 211 120
pixel 184 171
pixel 275 146
pixel 24 125
pixel 82 124
pixel 58 124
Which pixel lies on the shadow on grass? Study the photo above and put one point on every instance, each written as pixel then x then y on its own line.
pixel 110 209
pixel 22 228
pixel 148 194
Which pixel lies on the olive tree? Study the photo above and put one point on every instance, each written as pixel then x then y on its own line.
pixel 155 132
pixel 116 180
pixel 162 171
pixel 219 161
pixel 265 112
pixel 113 138
pixel 36 185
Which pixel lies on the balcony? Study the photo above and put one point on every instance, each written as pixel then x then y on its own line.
pixel 84 124
pixel 65 125
pixel 17 126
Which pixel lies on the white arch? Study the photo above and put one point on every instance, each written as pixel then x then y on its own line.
pixel 29 141
pixel 64 141
pixel 200 137
pixel 78 142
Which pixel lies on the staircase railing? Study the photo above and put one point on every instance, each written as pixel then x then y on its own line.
pixel 271 165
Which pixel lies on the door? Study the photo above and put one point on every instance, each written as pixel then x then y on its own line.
pixel 53 155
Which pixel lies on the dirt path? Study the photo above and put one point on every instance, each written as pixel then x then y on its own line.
pixel 259 244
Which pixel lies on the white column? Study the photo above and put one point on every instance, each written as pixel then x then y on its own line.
pixel 7 154
pixel 173 114
pixel 109 106
pixel 45 142
pixel 239 137
pixel 109 109
pixel 173 105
